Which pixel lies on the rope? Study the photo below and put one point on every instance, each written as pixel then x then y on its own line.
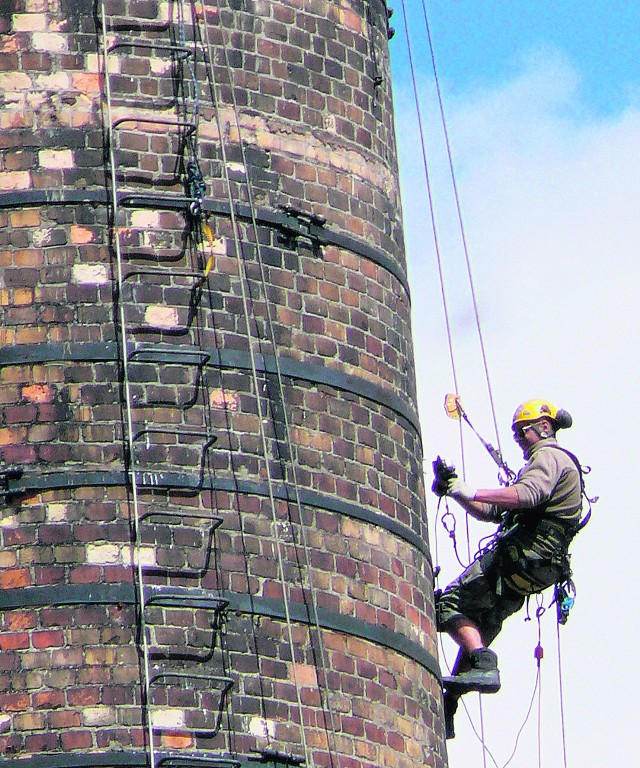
pixel 451 530
pixel 281 393
pixel 197 234
pixel 121 317
pixel 262 417
pixel 539 654
pixel 526 717
pixel 434 226
pixel 486 752
pixel 436 241
pixel 561 692
pixel 454 185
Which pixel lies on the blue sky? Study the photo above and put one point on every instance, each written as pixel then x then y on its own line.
pixel 543 113
pixel 479 43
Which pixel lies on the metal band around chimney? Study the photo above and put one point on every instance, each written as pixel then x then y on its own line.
pixel 112 594
pixel 46 481
pixel 281 220
pixel 21 354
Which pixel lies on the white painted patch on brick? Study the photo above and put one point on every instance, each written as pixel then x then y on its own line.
pixel 98 716
pixel 49 41
pixel 145 219
pixel 161 66
pixel 92 62
pixel 57 513
pixel 15 179
pixel 168 719
pixel 29 22
pixel 147 557
pixel 161 317
pixel 14 81
pixel 90 274
pixel 58 81
pixel 262 728
pixel 104 554
pixel 41 237
pixel 5 723
pixel 219 398
pixel 218 246
pixel 56 158
pixel 236 168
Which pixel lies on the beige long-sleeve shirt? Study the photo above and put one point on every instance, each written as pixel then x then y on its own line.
pixel 550 478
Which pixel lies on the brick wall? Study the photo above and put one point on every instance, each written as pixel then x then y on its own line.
pixel 133 334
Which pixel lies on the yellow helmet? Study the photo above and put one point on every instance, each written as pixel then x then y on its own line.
pixel 532 410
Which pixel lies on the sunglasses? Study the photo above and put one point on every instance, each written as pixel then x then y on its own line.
pixel 518 433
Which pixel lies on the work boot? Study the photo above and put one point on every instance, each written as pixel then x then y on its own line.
pixel 483 675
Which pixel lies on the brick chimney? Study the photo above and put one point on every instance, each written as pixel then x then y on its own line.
pixel 213 542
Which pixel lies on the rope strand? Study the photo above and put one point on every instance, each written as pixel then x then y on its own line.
pixel 314 615
pixel 561 692
pixel 454 185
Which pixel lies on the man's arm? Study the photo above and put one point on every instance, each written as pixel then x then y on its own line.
pixel 481 503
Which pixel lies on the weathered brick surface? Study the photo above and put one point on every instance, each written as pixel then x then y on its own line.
pixel 304 109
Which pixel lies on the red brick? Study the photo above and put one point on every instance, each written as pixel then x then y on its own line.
pixel 14 641
pixel 16 620
pixel 14 578
pixel 41 742
pixel 71 740
pixel 53 639
pixel 84 697
pixel 17 702
pixel 48 700
pixel 65 719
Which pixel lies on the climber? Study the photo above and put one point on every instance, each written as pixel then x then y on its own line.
pixel 538 516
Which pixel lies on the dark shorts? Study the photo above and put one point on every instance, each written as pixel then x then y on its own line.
pixel 474 595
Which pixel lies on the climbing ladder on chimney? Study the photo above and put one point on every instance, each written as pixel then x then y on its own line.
pixel 151 103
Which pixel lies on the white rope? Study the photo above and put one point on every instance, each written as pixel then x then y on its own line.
pixel 262 415
pixel 146 664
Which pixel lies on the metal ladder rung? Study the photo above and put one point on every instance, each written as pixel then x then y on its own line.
pixel 181 515
pixel 131 199
pixel 196 761
pixel 219 683
pixel 183 597
pixel 211 439
pixel 166 355
pixel 157 479
pixel 275 757
pixel 135 25
pixel 189 126
pixel 172 519
pixel 151 254
pixel 130 271
pixel 169 355
pixel 185 50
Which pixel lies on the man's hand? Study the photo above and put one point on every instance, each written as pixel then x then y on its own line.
pixel 460 490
